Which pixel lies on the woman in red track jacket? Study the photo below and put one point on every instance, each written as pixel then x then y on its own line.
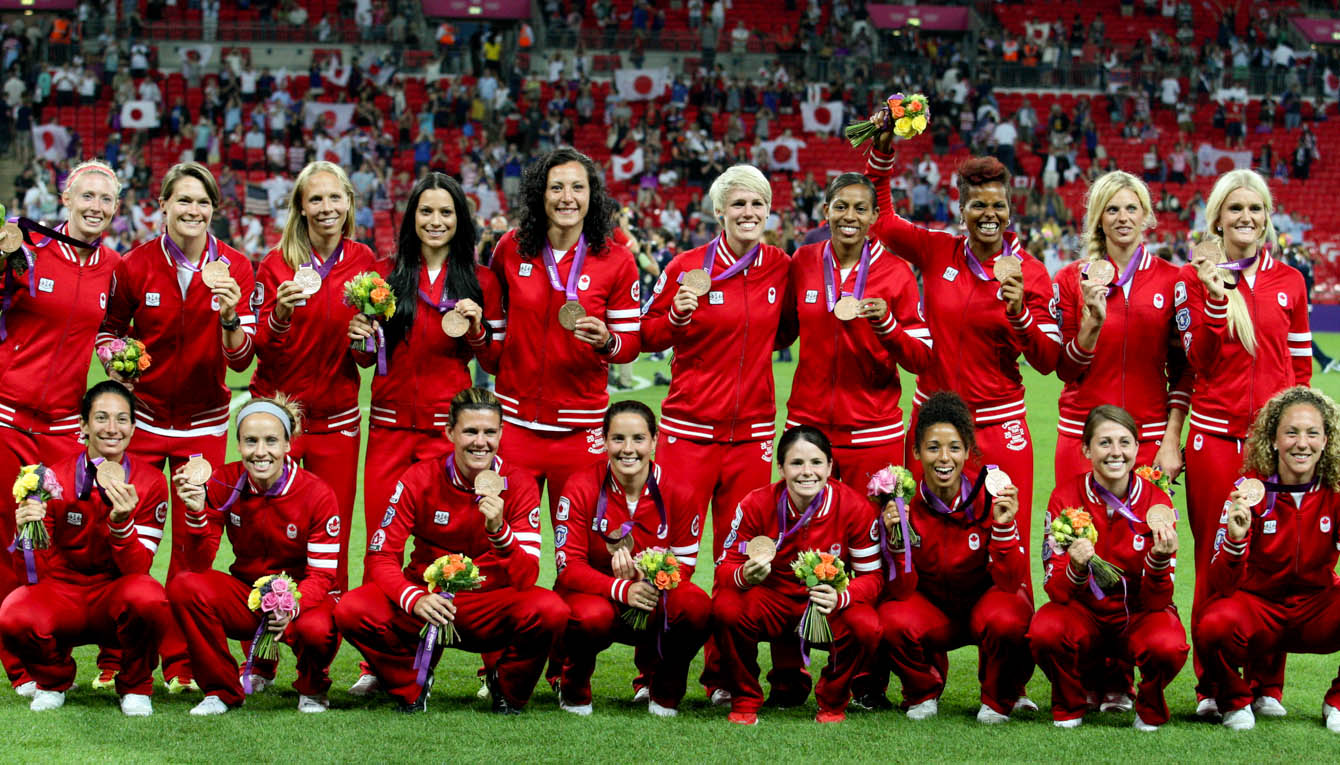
pixel 846 380
pixel 1122 346
pixel 1134 621
pixel 301 345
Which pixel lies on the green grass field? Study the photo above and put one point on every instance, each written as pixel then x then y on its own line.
pixel 459 727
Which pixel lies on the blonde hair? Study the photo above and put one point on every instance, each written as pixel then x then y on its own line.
pixel 1239 320
pixel 281 400
pixel 295 245
pixel 1261 456
pixel 92 166
pixel 1100 194
pixel 746 177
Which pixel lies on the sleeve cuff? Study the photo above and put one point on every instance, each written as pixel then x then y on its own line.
pixel 122 532
pixel 1216 309
pixel 503 539
pixel 480 339
pixel 739 579
pixel 1157 562
pixel 879 163
pixel 844 600
pixel 1236 549
pixel 678 319
pixel 1006 533
pixel 619 590
pixel 1076 353
pixel 279 327
pixel 196 520
pixel 1075 579
pixel 885 325
pixel 1021 322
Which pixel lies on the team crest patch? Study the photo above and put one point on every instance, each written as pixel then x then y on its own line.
pixel 560 536
pixel 584 282
pixel 716 297
pixel 524 269
pixel 1016 438
pixel 604 525
pixel 102 300
pixel 1183 319
pixel 152 299
pixel 292 531
pixel 378 539
pixel 561 560
pixel 388 516
pixel 333 526
pixel 974 541
pixel 772 295
pixel 1283 299
pixel 1186 341
pixel 534 517
pixel 1268 527
pixel 637 292
pixel 564 507
pixel 214 303
pixel 662 531
pixel 1219 538
pixel 161 512
pixel 1138 542
pixel 811 296
pixel 46 285
pixel 1197 442
pixel 1158 300
pixel 74 519
pixel 950 274
pixel 874 531
pixel 696 527
pixel 258 296
pixel 767 451
pixel 1179 293
pixel 399 487
pixel 235 520
pixel 595 441
pixel 660 283
pixel 1326 524
pixel 836 549
pixel 442 517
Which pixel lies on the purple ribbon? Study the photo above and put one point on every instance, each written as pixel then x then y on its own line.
pixel 1274 488
pixel 242 482
pixel 1098 593
pixel 455 478
pixel 443 305
pixel 377 343
pixel 830 265
pixel 324 268
pixel 665 622
pixel 602 504
pixel 1242 264
pixel 211 253
pixel 1128 272
pixel 251 654
pixel 1011 245
pixel 1113 502
pixel 967 496
pixel 29 558
pixel 804 622
pixel 423 657
pixel 84 484
pixel 884 550
pixel 784 504
pixel 574 273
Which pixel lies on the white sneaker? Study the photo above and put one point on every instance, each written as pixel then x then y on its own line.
pixel 1207 709
pixel 642 695
pixel 988 716
pixel 720 697
pixel 211 705
pixel 1332 366
pixel 1268 706
pixel 47 700
pixel 259 683
pixel 1116 702
pixel 310 705
pixel 581 710
pixel 660 711
pixel 26 690
pixel 366 685
pixel 1024 704
pixel 1073 723
pixel 1141 725
pixel 483 692
pixel 136 705
pixel 1240 719
pixel 1331 716
pixel 925 710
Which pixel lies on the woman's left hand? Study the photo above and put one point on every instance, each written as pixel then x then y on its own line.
pixel 1006 506
pixel 592 331
pixel 492 509
pixel 471 310
pixel 825 597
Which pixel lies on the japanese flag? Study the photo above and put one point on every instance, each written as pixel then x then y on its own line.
pixel 336 73
pixel 823 117
pixel 784 153
pixel 627 167
pixel 641 84
pixel 50 142
pixel 199 55
pixel 335 118
pixel 1331 84
pixel 139 114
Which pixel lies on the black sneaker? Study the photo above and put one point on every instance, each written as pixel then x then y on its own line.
pixel 500 705
pixel 660 379
pixel 786 700
pixel 421 703
pixel 872 702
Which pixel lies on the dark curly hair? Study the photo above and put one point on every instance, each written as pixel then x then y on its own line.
pixel 946 407
pixel 1260 454
pixel 533 227
pixel 981 171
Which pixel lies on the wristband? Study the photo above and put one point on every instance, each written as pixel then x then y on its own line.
pixel 230 325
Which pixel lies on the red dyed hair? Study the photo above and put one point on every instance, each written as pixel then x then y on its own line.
pixel 980 171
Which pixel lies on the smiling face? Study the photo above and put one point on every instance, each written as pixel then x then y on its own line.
pixel 743 214
pixel 92 203
pixel 1300 440
pixel 567 195
pixel 629 444
pixel 805 468
pixel 1242 219
pixel 325 206
pixel 941 453
pixel 109 427
pixel 187 211
pixel 986 213
pixel 435 219
pixel 262 443
pixel 1111 450
pixel 850 215
pixel 1123 220
pixel 476 434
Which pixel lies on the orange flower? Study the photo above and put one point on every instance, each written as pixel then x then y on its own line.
pixel 1081 520
pixel 674 576
pixel 825 571
pixel 143 363
pixel 380 294
pixel 915 106
pixel 670 560
pixel 377 281
pixel 896 111
pixel 826 557
pixel 662 580
pixel 894 103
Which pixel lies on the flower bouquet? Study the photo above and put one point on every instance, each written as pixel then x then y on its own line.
pixel 450 574
pixel 907 117
pixel 662 571
pixel 895 484
pixel 1157 477
pixel 277 595
pixel 815 568
pixel 126 356
pixel 36 482
pixel 1073 524
pixel 370 294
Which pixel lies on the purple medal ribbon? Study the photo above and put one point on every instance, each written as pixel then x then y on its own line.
pixel 1274 488
pixel 29 556
pixel 784 504
pixel 574 273
pixel 1011 246
pixel 443 305
pixel 240 486
pixel 1128 272
pixel 602 504
pixel 423 657
pixel 84 484
pixel 830 265
pixel 376 343
pixel 1115 503
pixel 734 268
pixel 211 253
pixel 967 496
pixel 324 268
pixel 884 550
pixel 48 234
pixel 1241 265
pixel 455 477
pixel 11 285
pixel 251 655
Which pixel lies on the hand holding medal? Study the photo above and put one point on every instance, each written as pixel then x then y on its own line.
pixel 1009 271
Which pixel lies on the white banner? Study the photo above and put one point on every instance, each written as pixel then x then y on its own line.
pixel 627 167
pixel 1212 161
pixel 641 84
pixel 336 118
pixel 784 153
pixel 824 117
pixel 51 141
pixel 139 114
pixel 199 55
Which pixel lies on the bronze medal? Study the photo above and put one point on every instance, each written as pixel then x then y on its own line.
pixel 569 314
pixel 847 308
pixel 11 237
pixel 1253 491
pixel 197 471
pixel 997 481
pixel 624 542
pixel 109 473
pixel 213 272
pixel 488 484
pixel 1160 516
pixel 1100 271
pixel 697 281
pixel 1005 267
pixel 761 549
pixel 455 324
pixel 307 279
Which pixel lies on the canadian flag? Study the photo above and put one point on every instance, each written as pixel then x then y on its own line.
pixel 627 167
pixel 51 141
pixel 784 153
pixel 823 117
pixel 335 118
pixel 641 84
pixel 139 114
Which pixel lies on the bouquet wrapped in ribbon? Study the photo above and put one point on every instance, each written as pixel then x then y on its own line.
pixel 815 568
pixel 895 484
pixel 125 356
pixel 450 574
pixel 273 595
pixel 1073 524
pixel 1157 477
pixel 371 295
pixel 662 571
pixel 36 482
pixel 906 117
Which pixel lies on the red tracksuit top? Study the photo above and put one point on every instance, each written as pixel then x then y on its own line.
pixel 846 525
pixel 85 547
pixel 308 357
pixel 545 374
pixel 958 559
pixel 45 355
pixel 977 346
pixel 721 386
pixel 427 368
pixel 184 388
pixel 443 517
pixel 1231 384
pixel 1121 542
pixel 846 380
pixel 582 554
pixel 1289 553
pixel 296 531
pixel 1138 363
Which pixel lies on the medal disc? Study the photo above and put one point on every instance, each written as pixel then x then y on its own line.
pixel 761 549
pixel 213 272
pixel 569 314
pixel 1005 267
pixel 308 280
pixel 109 473
pixel 698 281
pixel 624 542
pixel 1100 271
pixel 997 481
pixel 1160 516
pixel 847 308
pixel 488 484
pixel 11 237
pixel 197 471
pixel 455 324
pixel 1253 491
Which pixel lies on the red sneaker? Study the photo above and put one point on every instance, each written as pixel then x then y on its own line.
pixel 830 717
pixel 743 718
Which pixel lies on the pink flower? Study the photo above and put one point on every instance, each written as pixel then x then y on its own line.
pixel 269 602
pixel 278 584
pixel 116 346
pixel 286 603
pixel 883 482
pixel 104 353
pixel 50 484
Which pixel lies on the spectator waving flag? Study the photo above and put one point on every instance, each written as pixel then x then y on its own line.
pixel 51 141
pixel 641 84
pixel 199 55
pixel 335 118
pixel 784 153
pixel 627 167
pixel 139 114
pixel 1212 161
pixel 822 117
